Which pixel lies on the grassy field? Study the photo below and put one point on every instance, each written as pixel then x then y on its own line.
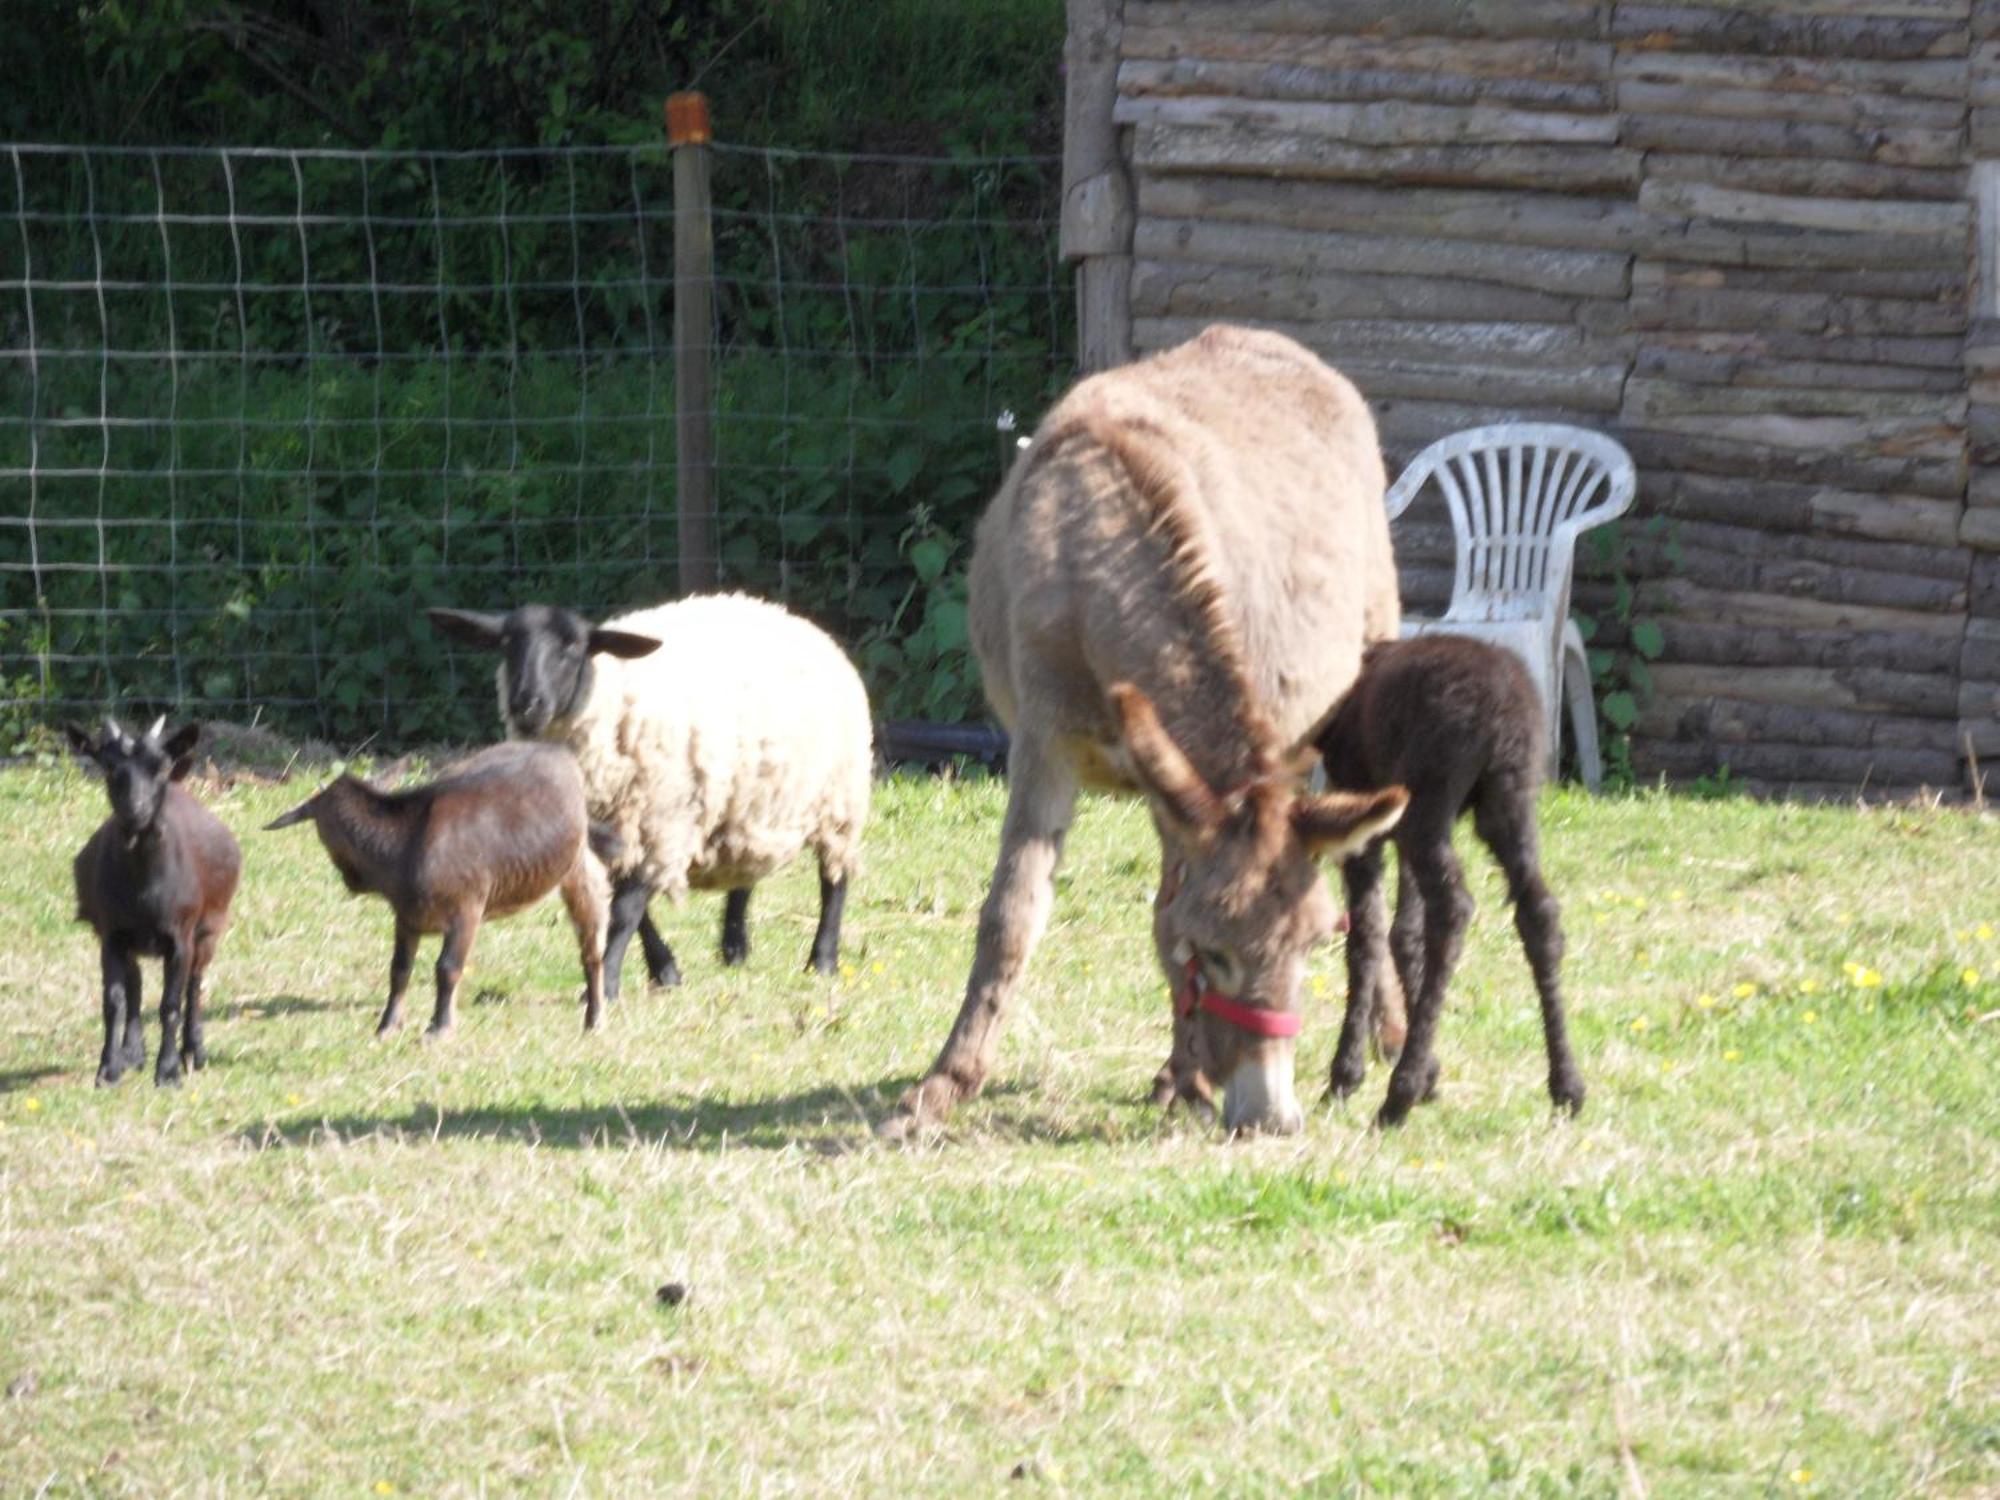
pixel 1766 1260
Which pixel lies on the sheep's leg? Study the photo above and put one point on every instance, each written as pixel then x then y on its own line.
pixel 120 975
pixel 628 915
pixel 736 926
pixel 1505 820
pixel 401 962
pixel 587 895
pixel 1447 911
pixel 458 935
pixel 167 1066
pixel 660 966
pixel 825 957
pixel 1041 799
pixel 1361 877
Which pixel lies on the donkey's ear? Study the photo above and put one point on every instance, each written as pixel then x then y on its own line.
pixel 467 625
pixel 179 749
pixel 1343 823
pixel 1165 773
pixel 621 643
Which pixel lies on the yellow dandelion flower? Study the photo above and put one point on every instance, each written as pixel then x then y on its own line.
pixel 1677 894
pixel 1802 1476
pixel 1969 978
pixel 1638 903
pixel 1850 968
pixel 877 969
pixel 847 971
pixel 1744 990
pixel 1319 986
pixel 294 1100
pixel 1644 956
pixel 1640 1023
pixel 1706 1002
pixel 1809 1017
pixel 383 1487
pixel 1667 1067
pixel 31 1104
pixel 1808 986
pixel 1868 979
pixel 1984 932
pixel 1731 1055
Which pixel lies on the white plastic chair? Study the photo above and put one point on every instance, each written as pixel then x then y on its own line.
pixel 1519 494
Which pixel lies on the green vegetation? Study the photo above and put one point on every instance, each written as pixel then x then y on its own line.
pixel 1762 1262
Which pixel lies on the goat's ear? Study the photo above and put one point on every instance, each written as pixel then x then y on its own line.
pixel 179 749
pixel 621 643
pixel 467 625
pixel 1165 773
pixel 1343 823
pixel 80 740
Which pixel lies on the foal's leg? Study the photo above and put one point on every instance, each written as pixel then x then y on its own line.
pixel 1041 798
pixel 1447 911
pixel 1406 936
pixel 1361 877
pixel 1505 819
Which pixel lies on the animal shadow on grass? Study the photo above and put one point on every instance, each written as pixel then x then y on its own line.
pixel 832 1120
pixel 269 1006
pixel 16 1079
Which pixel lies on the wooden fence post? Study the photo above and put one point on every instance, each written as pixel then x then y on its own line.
pixel 694 341
pixel 1097 211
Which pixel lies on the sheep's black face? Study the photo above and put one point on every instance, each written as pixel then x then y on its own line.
pixel 544 667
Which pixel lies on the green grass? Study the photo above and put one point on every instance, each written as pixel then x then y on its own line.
pixel 1763 1262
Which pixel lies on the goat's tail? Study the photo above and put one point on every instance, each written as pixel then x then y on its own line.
pixel 298 814
pixel 605 844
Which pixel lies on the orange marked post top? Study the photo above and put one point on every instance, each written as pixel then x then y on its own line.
pixel 687 120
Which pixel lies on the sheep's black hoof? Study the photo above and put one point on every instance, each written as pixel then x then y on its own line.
pixel 824 964
pixel 666 977
pixel 733 954
pixel 1567 1094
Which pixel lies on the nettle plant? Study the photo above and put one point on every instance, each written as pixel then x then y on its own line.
pixel 1621 637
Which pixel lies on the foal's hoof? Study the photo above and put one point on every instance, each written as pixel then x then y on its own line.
pixel 107 1076
pixel 167 1075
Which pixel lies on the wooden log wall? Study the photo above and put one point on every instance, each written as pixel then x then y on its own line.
pixel 1740 237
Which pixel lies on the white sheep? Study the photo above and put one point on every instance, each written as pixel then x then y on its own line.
pixel 718 736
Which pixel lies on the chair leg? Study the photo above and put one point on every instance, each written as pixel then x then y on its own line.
pixel 1582 706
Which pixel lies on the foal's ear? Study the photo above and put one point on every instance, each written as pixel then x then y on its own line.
pixel 1165 773
pixel 1343 823
pixel 467 625
pixel 179 749
pixel 622 643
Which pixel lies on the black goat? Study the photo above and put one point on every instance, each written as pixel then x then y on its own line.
pixel 1459 723
pixel 155 880
pixel 493 834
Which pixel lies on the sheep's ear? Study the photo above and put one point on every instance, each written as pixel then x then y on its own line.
pixel 80 740
pixel 1165 773
pixel 179 749
pixel 1342 823
pixel 468 625
pixel 621 643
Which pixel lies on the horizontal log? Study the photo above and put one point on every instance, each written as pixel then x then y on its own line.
pixel 1982 488
pixel 1686 28
pixel 1678 595
pixel 1736 721
pixel 1293 80
pixel 1935 284
pixel 1577 273
pixel 1985 601
pixel 1594 388
pixel 1979 700
pixel 1379 18
pixel 1511 345
pixel 1980 529
pixel 1883 112
pixel 1837 77
pixel 1754 578
pixel 1764 344
pixel 1722 642
pixel 1777 506
pixel 1862 688
pixel 1894 146
pixel 1407 425
pixel 1388 122
pixel 1808 178
pixel 1658 360
pixel 1697 200
pixel 1266 152
pixel 1982 135
pixel 1196 289
pixel 1647 399
pixel 1979 659
pixel 1657 303
pixel 1698 451
pixel 1822 773
pixel 1842 438
pixel 1985 18
pixel 1939 564
pixel 1566 60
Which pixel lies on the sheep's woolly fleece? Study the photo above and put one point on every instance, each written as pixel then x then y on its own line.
pixel 743 739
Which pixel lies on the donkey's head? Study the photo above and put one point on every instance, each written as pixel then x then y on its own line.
pixel 1241 903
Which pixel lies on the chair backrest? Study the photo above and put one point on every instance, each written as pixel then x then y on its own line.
pixel 1518 494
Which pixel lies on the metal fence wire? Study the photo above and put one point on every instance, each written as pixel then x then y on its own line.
pixel 259 407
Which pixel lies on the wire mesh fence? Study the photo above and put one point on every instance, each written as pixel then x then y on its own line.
pixel 258 407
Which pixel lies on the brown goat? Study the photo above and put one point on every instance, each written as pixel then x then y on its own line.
pixel 155 879
pixel 493 834
pixel 1459 724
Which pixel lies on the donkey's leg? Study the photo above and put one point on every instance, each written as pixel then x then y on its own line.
pixel 1041 799
pixel 825 955
pixel 1505 819
pixel 1447 911
pixel 1361 877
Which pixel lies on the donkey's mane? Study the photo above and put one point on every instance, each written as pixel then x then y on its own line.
pixel 1143 448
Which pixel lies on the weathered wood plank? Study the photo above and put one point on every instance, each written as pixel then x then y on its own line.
pixel 1698 200
pixel 1736 721
pixel 1681 597
pixel 1660 306
pixel 1097 214
pixel 1594 388
pixel 1512 345
pixel 1868 688
pixel 1578 273
pixel 1686 28
pixel 1887 440
pixel 1802 772
pixel 1387 122
pixel 1897 147
pixel 1262 151
pixel 1809 178
pixel 1914 565
pixel 1776 505
pixel 1839 77
pixel 1753 573
pixel 1193 289
pixel 1294 80
pixel 1884 112
pixel 1656 359
pixel 1647 399
pixel 1917 353
pixel 1496 60
pixel 1700 451
pixel 1382 18
pixel 1719 642
pixel 1920 283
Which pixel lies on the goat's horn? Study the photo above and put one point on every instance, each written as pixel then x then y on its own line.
pixel 113 730
pixel 158 724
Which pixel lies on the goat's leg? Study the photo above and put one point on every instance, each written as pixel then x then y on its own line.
pixel 736 926
pixel 1041 798
pixel 1447 911
pixel 173 990
pixel 119 973
pixel 1361 878
pixel 587 894
pixel 459 932
pixel 1505 820
pixel 661 970
pixel 629 895
pixel 401 961
pixel 133 1048
pixel 825 955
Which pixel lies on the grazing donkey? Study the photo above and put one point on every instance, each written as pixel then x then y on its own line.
pixel 1459 724
pixel 1173 584
pixel 155 880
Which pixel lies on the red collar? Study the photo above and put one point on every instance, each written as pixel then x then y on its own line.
pixel 1197 994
